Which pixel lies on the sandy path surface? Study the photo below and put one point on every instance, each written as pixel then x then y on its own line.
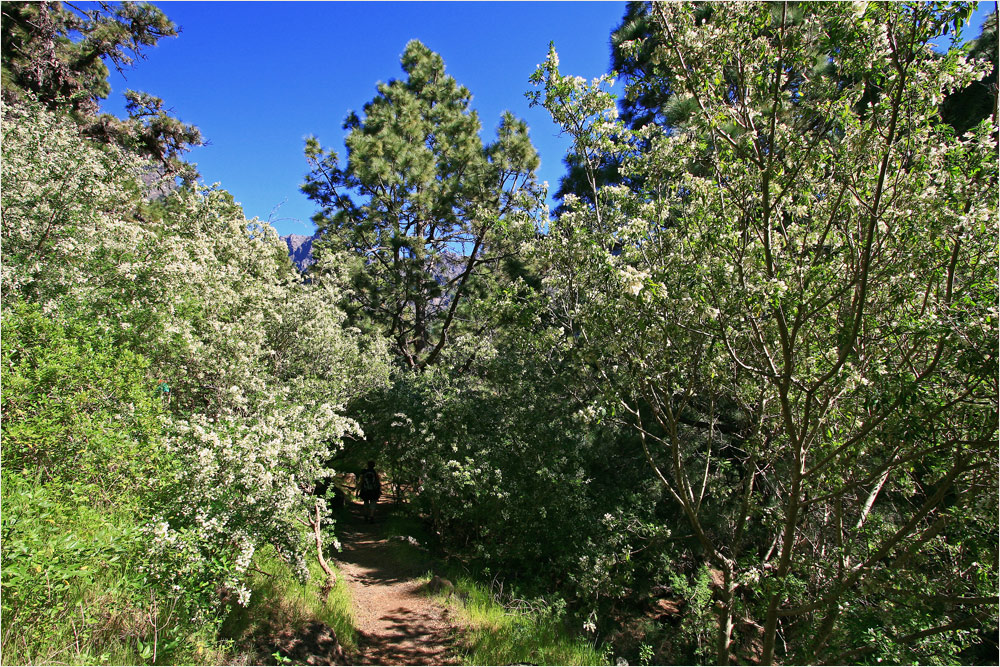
pixel 397 624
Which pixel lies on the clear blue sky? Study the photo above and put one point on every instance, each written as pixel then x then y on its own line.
pixel 259 77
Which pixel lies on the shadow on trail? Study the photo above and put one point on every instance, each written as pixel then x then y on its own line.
pixel 311 644
pixel 365 545
pixel 414 639
pixel 397 624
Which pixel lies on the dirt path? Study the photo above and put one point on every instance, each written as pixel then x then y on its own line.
pixel 397 624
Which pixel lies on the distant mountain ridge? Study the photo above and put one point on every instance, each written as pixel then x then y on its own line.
pixel 300 249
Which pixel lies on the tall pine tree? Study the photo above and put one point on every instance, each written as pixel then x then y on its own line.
pixel 422 203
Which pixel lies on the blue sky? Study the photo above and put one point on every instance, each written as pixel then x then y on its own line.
pixel 259 77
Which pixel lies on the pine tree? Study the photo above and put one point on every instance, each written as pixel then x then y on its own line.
pixel 58 54
pixel 423 204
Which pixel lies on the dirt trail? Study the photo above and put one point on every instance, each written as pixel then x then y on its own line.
pixel 397 624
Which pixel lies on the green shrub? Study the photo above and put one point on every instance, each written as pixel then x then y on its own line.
pixel 80 411
pixel 83 469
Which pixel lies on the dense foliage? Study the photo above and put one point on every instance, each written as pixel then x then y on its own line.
pixel 799 319
pixel 171 387
pixel 736 400
pixel 754 375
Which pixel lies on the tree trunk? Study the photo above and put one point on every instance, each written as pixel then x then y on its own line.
pixel 724 608
pixel 331 578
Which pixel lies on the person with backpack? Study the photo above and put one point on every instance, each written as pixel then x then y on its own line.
pixel 369 489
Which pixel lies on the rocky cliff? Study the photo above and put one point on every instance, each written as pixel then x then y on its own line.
pixel 300 249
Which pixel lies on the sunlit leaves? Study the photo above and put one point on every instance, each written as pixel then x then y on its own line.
pixel 792 264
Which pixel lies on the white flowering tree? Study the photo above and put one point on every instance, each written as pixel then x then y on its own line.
pixel 251 365
pixel 796 310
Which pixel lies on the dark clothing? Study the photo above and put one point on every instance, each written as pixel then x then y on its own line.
pixel 370 487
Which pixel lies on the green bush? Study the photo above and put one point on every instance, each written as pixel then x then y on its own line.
pixel 79 410
pixel 83 468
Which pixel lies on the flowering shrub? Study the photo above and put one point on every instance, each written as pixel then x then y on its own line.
pixel 799 317
pixel 237 370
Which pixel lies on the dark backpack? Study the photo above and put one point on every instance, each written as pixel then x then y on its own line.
pixel 369 482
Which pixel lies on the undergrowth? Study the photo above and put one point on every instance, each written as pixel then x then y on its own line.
pixel 495 631
pixel 279 601
pixel 75 589
pixel 75 592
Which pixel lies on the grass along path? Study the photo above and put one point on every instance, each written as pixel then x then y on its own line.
pixel 396 623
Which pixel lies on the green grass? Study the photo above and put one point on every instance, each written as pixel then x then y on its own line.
pixel 103 623
pixel 73 590
pixel 492 633
pixel 103 614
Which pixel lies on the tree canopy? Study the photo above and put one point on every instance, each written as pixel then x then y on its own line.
pixel 790 326
pixel 422 203
pixel 58 54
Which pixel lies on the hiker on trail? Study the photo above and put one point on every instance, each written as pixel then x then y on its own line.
pixel 370 488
